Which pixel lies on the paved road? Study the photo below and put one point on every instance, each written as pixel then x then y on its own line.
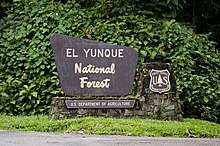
pixel 8 138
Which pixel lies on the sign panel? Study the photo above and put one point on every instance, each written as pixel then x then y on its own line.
pixel 159 80
pixel 87 67
pixel 100 103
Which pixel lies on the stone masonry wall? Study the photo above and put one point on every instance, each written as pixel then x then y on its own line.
pixel 159 105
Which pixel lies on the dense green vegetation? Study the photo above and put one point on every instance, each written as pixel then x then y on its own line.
pixel 28 76
pixel 203 15
pixel 91 125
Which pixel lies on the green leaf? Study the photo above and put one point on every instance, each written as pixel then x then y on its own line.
pixel 146 12
pixel 29 26
pixel 22 92
pixel 4 94
pixel 153 54
pixel 13 102
pixel 34 94
pixel 32 85
pixel 144 53
pixel 26 86
pixel 206 99
pixel 175 2
pixel 162 3
pixel 42 66
pixel 38 62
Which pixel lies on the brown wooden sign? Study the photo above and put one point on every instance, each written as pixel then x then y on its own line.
pixel 100 103
pixel 87 67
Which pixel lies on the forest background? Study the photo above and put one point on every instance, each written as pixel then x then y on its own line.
pixel 182 32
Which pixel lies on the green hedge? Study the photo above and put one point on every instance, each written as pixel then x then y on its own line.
pixel 28 76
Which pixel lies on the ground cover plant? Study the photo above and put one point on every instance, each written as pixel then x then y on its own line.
pixel 131 127
pixel 28 76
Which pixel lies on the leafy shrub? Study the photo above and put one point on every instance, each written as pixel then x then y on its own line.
pixel 28 73
pixel 195 60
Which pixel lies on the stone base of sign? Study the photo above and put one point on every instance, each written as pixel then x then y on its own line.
pixel 151 108
pixel 148 104
pixel 158 105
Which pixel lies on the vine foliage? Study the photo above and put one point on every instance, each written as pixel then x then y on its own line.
pixel 28 76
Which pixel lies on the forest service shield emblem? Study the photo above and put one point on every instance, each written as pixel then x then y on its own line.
pixel 159 80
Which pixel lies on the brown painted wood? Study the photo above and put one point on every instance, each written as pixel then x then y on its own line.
pixel 87 67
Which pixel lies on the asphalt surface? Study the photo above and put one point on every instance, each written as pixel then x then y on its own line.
pixel 9 138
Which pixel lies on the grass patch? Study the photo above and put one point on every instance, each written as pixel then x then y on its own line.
pixel 92 125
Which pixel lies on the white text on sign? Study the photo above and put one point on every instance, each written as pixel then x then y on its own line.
pixel 96 53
